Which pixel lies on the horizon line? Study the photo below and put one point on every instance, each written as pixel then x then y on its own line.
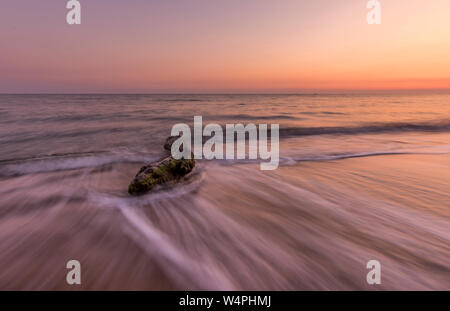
pixel 237 92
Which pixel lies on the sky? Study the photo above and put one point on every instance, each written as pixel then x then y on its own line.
pixel 222 46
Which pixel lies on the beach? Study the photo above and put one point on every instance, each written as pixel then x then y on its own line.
pixel 361 177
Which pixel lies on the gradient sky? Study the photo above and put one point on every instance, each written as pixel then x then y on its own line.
pixel 223 45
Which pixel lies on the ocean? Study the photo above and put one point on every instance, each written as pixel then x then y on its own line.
pixel 361 177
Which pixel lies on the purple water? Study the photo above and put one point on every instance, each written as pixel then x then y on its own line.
pixel 361 177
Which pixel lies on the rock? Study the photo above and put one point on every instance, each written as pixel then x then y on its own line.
pixel 163 171
pixel 166 170
pixel 169 142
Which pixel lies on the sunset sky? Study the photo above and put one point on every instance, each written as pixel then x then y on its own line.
pixel 223 45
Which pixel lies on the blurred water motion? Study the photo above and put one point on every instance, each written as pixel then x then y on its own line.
pixel 361 177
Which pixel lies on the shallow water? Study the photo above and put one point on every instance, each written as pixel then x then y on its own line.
pixel 361 177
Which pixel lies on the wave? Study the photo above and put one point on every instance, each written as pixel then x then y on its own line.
pixel 288 160
pixel 366 129
pixel 73 161
pixel 249 117
pixel 33 165
pixel 184 100
pixel 331 157
pixel 31 136
pixel 182 267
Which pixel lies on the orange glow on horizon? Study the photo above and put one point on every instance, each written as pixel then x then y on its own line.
pixel 293 45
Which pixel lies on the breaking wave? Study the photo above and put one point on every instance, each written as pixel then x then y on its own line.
pixel 366 129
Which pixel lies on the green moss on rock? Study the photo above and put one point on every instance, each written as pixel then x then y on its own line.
pixel 166 170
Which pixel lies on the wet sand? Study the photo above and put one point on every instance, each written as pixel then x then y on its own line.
pixel 308 226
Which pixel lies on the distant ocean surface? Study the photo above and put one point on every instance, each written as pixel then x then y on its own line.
pixel 361 177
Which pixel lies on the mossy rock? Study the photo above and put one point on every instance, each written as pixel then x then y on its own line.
pixel 166 170
pixel 169 142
